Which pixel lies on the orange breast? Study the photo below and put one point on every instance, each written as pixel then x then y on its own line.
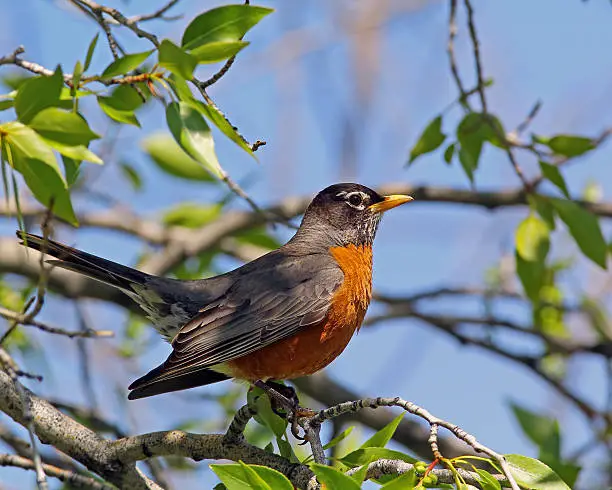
pixel 316 346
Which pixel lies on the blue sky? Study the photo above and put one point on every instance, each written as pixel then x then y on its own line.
pixel 542 50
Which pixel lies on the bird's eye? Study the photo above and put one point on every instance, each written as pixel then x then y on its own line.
pixel 355 200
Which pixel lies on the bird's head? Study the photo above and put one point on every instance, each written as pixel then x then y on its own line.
pixel 347 213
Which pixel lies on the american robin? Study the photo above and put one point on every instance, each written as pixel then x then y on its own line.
pixel 284 315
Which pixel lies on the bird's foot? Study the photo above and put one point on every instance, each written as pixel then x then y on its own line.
pixel 285 403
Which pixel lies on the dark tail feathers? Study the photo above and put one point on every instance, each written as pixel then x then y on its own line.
pixel 148 385
pixel 103 270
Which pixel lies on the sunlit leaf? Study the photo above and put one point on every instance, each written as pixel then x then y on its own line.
pixel 28 143
pixel 486 480
pixel 38 93
pixel 90 51
pixel 63 127
pixel 47 186
pixel 226 23
pixel 78 152
pixel 126 64
pixel 191 215
pixel 121 105
pixel 217 51
pixel 216 117
pixel 170 157
pixel 430 140
pixel 241 476
pixel 406 481
pixel 339 438
pixel 192 133
pixel 570 145
pixel 333 478
pixel 384 435
pixel 176 60
pixel 532 239
pixel 366 455
pixel 534 474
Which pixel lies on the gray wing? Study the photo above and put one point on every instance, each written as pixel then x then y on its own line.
pixel 260 308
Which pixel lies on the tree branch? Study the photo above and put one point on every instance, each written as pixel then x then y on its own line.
pixel 73 479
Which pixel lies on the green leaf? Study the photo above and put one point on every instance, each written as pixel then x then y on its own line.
pixel 132 175
pixel 90 52
pixel 78 152
pixel 532 239
pixel 175 60
pixel 584 227
pixel 406 481
pixel 532 243
pixel 486 480
pixel 218 119
pixel 570 146
pixel 191 215
pixel 71 169
pixel 472 132
pixel 6 104
pixel 544 208
pixel 384 435
pixel 449 153
pixel 192 133
pixel 333 478
pixel 76 78
pixel 286 451
pixel 126 64
pixel 531 275
pixel 339 438
pixel 28 143
pixel 169 156
pixel 255 481
pixel 47 186
pixel 534 474
pixel 227 23
pixel 366 455
pixel 542 430
pixel 431 139
pixel 241 476
pixel 121 105
pixel 37 94
pixel 552 173
pixel 217 51
pixel 264 414
pixel 258 236
pixel 64 127
pixel 181 89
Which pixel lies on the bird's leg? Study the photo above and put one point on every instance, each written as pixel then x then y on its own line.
pixel 285 397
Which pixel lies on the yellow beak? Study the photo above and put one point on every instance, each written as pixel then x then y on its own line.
pixel 390 202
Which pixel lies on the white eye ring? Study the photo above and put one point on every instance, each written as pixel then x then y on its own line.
pixel 356 200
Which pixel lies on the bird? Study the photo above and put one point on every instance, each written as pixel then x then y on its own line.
pixel 286 314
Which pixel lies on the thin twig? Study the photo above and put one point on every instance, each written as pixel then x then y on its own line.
pixel 452 34
pixel 21 319
pixel 476 48
pixel 72 479
pixel 382 467
pixel 9 366
pixel 414 409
